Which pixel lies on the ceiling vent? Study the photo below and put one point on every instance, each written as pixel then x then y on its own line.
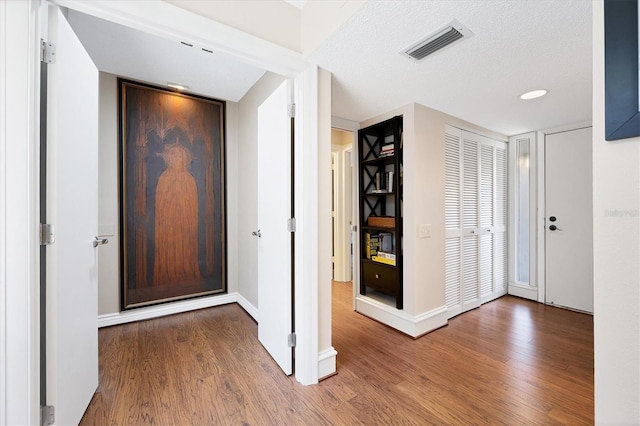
pixel 452 32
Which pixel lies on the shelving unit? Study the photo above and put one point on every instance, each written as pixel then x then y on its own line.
pixel 380 196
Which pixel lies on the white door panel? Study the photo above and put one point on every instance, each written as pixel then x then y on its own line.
pixel 475 218
pixel 569 248
pixel 72 205
pixel 274 243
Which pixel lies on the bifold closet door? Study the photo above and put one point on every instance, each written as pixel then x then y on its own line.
pixel 475 219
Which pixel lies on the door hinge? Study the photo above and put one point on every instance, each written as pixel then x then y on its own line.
pixel 47 234
pixel 291 224
pixel 47 52
pixel 291 340
pixel 47 415
pixel 291 110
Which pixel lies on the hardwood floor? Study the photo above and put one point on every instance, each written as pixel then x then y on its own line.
pixel 510 361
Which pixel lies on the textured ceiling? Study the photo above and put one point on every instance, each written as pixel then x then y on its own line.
pixel 138 55
pixel 517 46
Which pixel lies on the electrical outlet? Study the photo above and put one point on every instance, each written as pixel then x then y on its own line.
pixel 425 231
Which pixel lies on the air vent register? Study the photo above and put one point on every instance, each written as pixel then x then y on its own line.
pixel 439 39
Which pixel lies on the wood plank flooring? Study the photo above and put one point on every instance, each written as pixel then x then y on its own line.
pixel 510 361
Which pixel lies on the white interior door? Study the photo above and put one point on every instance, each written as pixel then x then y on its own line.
pixel 274 242
pixel 72 206
pixel 568 233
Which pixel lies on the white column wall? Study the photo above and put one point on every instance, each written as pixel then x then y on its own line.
pixel 616 259
pixel 423 203
pixel 326 352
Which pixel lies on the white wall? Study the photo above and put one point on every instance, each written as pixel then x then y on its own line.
pixel 247 166
pixel 324 223
pixel 19 271
pixel 423 203
pixel 616 256
pixel 109 260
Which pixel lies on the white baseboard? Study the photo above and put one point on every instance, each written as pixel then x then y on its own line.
pixel 167 309
pixel 414 326
pixel 247 306
pixel 523 291
pixel 327 363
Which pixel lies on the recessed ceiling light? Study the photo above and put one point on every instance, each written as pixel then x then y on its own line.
pixel 534 94
pixel 178 86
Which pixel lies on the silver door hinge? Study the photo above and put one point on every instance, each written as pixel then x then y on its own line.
pixel 291 224
pixel 291 110
pixel 47 52
pixel 291 340
pixel 47 415
pixel 47 234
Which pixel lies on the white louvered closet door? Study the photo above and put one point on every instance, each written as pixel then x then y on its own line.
pixel 500 221
pixel 486 201
pixel 470 221
pixel 475 219
pixel 452 221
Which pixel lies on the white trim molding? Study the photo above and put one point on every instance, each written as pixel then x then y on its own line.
pixel 344 124
pixel 306 235
pixel 19 268
pixel 327 363
pixel 157 311
pixel 247 306
pixel 168 21
pixel 414 326
pixel 523 291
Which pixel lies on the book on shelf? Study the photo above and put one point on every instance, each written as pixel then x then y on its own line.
pixel 372 245
pixel 367 241
pixel 386 261
pixel 384 182
pixel 386 255
pixel 387 150
pixel 386 242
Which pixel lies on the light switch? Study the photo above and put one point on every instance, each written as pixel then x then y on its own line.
pixel 425 231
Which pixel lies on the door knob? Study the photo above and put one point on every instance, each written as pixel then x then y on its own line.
pixel 99 241
pixel 554 228
pixel 256 233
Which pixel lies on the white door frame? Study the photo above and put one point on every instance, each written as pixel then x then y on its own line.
pixel 19 212
pixel 342 205
pixel 163 19
pixel 536 290
pixel 530 291
pixel 19 115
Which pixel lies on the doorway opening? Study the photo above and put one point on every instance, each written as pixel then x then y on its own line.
pixel 342 205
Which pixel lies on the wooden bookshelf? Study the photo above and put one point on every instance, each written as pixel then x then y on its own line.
pixel 380 197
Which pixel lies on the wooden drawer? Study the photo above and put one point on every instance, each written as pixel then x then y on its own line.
pixel 381 277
